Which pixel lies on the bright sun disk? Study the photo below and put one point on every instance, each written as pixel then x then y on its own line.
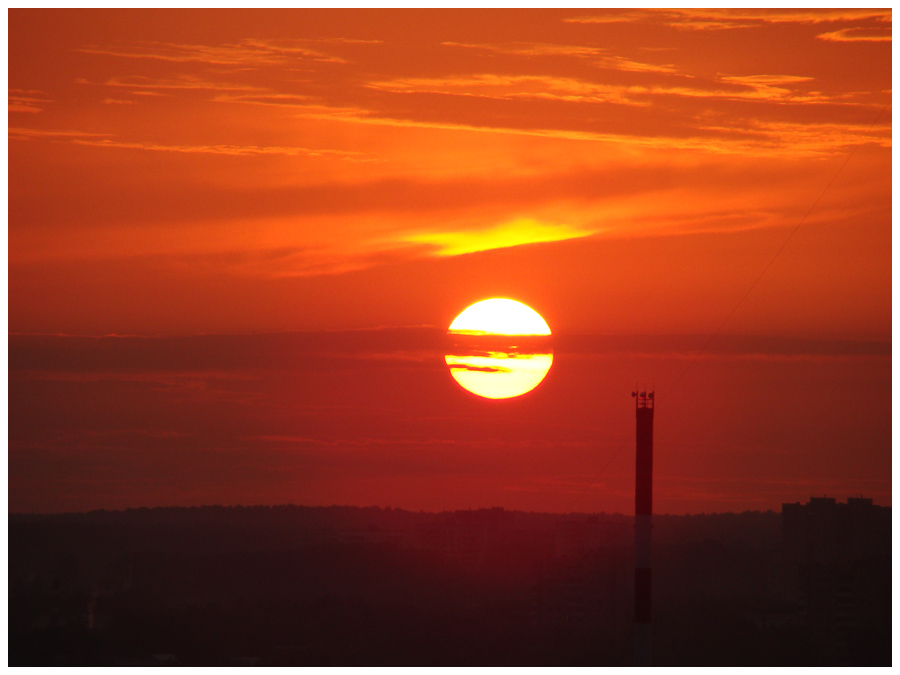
pixel 500 316
pixel 502 372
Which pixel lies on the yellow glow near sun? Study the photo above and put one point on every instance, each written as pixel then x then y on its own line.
pixel 498 373
pixel 515 233
pixel 500 316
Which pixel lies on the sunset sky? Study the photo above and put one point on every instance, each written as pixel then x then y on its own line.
pixel 237 239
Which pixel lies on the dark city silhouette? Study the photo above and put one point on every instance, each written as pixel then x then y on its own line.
pixel 293 585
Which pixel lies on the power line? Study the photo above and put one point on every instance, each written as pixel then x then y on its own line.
pixel 740 301
pixel 772 260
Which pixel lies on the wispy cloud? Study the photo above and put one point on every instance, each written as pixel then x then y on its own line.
pixel 751 87
pixel 729 19
pixel 533 49
pixel 221 91
pixel 104 141
pixel 489 85
pixel 857 34
pixel 809 16
pixel 24 134
pixel 615 16
pixel 806 138
pixel 764 80
pixel 598 55
pixel 756 138
pixel 771 88
pixel 248 52
pixel 515 233
pixel 182 82
pixel 263 98
pixel 27 100
pixel 236 150
pixel 631 66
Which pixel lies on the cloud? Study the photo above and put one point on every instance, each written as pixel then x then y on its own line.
pixel 264 98
pixel 516 233
pixel 775 16
pixel 177 359
pixel 630 66
pixel 248 52
pixel 478 369
pixel 24 134
pixel 765 139
pixel 234 150
pixel 857 34
pixel 610 17
pixel 805 138
pixel 596 54
pixel 211 356
pixel 743 347
pixel 183 82
pixel 27 100
pixel 748 134
pixel 100 140
pixel 489 85
pixel 728 19
pixel 774 88
pixel 687 131
pixel 297 262
pixel 764 80
pixel 532 49
pixel 223 92
pixel 510 87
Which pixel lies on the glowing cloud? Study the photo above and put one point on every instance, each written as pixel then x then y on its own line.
pixel 516 233
pixel 857 34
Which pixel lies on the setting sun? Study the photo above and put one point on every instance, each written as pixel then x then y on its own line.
pixel 502 367
pixel 500 316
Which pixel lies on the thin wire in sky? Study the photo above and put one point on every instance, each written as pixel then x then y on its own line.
pixel 772 260
pixel 696 355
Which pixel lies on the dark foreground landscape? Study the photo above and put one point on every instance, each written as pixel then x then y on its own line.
pixel 294 585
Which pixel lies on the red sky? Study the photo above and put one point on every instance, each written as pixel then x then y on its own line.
pixel 248 194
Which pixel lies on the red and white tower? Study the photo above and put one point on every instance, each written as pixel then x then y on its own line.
pixel 643 514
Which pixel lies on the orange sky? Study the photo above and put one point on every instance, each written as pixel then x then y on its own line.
pixel 178 173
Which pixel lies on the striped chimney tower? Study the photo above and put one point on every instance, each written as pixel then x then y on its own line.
pixel 643 513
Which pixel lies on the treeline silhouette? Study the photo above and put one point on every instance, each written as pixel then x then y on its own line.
pixel 293 585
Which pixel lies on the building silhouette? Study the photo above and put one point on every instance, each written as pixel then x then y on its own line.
pixel 839 556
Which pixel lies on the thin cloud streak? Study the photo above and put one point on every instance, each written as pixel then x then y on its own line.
pixel 856 35
pixel 236 150
pixel 803 142
pixel 27 101
pixel 731 19
pixel 533 49
pixel 247 52
pixel 753 87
